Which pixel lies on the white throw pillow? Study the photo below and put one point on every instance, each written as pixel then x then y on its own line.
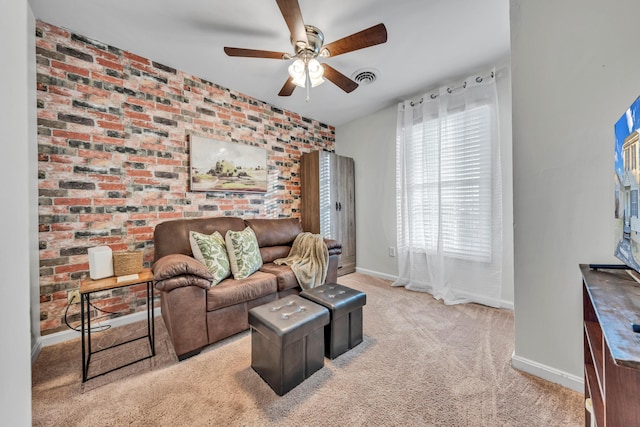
pixel 244 253
pixel 212 252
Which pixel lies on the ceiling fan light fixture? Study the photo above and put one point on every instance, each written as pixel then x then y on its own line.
pixel 315 72
pixel 300 71
pixel 297 72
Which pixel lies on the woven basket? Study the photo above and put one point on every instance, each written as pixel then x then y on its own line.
pixel 127 262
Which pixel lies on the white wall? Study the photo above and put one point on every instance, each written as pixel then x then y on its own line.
pixel 575 69
pixel 32 182
pixel 16 24
pixel 371 142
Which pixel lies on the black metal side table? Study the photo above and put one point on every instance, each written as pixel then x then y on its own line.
pixel 88 287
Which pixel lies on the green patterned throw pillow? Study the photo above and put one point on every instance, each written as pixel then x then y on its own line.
pixel 212 252
pixel 244 253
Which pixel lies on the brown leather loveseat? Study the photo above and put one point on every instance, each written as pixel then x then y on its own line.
pixel 197 314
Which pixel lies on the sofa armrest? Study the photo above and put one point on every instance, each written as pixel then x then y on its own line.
pixel 333 246
pixel 178 270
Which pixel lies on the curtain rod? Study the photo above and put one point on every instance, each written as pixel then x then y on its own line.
pixel 478 79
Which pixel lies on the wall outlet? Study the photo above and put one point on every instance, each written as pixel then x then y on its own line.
pixel 392 251
pixel 73 297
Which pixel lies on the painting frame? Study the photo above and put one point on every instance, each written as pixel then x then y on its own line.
pixel 627 186
pixel 216 165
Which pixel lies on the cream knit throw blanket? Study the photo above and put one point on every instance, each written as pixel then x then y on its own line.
pixel 309 259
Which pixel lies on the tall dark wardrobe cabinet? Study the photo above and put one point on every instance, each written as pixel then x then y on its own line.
pixel 328 202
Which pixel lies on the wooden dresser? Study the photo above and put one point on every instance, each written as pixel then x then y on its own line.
pixel 327 184
pixel 611 303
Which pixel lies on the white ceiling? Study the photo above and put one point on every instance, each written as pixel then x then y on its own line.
pixel 429 43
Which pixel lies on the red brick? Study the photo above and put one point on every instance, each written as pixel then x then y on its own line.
pixel 136 58
pixel 102 53
pixel 62 91
pixel 100 116
pixel 141 102
pixel 170 215
pixel 139 230
pixel 112 124
pixel 92 90
pixel 119 247
pixel 167 108
pixel 108 140
pixel 105 178
pixel 89 154
pixel 137 172
pixel 59 295
pixel 67 226
pixel 72 135
pixel 53 30
pixel 49 324
pixel 109 64
pixel 71 268
pixel 110 241
pixel 105 78
pixel 61 159
pixel 140 116
pixel 70 68
pixel 140 159
pixel 94 217
pixel 109 202
pixel 112 186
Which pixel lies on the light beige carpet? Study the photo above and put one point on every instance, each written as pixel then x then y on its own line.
pixel 421 364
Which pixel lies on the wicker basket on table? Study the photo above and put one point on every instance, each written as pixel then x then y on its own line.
pixel 127 262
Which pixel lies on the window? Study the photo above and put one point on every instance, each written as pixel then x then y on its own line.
pixel 449 184
pixel 627 163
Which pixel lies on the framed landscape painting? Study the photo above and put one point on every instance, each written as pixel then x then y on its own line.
pixel 224 166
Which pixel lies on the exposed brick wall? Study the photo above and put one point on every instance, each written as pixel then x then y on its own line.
pixel 113 158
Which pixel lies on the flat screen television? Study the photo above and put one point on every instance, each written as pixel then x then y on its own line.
pixel 627 186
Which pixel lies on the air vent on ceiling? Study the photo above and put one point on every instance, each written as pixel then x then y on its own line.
pixel 365 77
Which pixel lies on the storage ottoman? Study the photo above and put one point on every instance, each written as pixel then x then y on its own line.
pixel 345 305
pixel 287 341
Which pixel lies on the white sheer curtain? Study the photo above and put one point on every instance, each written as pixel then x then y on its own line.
pixel 449 193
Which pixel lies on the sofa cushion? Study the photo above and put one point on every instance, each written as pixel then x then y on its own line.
pixel 178 264
pixel 211 250
pixel 275 232
pixel 233 291
pixel 244 253
pixel 172 237
pixel 182 281
pixel 269 253
pixel 284 274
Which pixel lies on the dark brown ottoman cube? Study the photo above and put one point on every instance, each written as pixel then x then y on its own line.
pixel 287 341
pixel 345 305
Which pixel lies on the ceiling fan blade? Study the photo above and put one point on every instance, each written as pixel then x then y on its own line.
pixel 288 88
pixel 339 79
pixel 253 53
pixel 365 38
pixel 292 15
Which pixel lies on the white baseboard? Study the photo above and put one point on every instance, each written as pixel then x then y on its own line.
pixel 497 303
pixel 35 351
pixel 375 274
pixel 70 334
pixel 548 373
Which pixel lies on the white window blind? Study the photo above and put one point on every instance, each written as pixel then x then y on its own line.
pixel 449 184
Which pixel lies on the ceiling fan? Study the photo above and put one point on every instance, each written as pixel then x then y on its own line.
pixel 308 45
